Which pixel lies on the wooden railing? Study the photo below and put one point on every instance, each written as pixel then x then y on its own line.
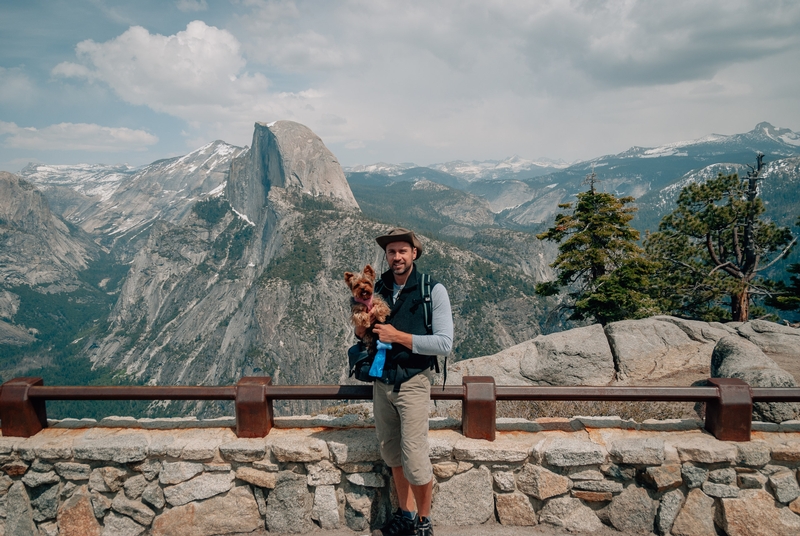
pixel 729 402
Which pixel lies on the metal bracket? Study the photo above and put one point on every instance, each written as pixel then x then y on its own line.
pixel 729 418
pixel 254 416
pixel 479 407
pixel 20 415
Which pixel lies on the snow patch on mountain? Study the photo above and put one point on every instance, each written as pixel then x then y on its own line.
pixel 93 180
pixel 497 169
pixel 381 168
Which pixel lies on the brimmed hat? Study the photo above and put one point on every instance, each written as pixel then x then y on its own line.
pixel 398 234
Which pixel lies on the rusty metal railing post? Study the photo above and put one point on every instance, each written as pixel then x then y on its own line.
pixel 479 407
pixel 20 415
pixel 254 417
pixel 729 417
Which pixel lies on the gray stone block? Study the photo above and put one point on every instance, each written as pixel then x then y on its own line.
pixel 784 485
pixel 44 501
pixel 73 471
pixel 244 450
pixel 33 479
pixel 368 480
pixel 602 485
pixel 177 472
pixel 648 451
pixel 133 509
pixel 565 452
pixel 19 513
pixel 326 508
pixel 449 506
pixel 119 448
pixel 570 514
pixel 693 476
pixel 542 483
pixel 720 490
pixel 134 486
pixel 119 525
pixel 753 454
pixel 289 505
pixel 352 446
pixel 668 508
pixel 154 495
pixel 199 488
pixel 633 510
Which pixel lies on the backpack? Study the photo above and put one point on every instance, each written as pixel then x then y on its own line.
pixel 358 356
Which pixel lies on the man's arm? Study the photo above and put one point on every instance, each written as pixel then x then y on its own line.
pixel 441 341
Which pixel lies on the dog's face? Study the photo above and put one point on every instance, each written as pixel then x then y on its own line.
pixel 362 285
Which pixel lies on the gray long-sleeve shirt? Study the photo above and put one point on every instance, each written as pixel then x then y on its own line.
pixel 441 341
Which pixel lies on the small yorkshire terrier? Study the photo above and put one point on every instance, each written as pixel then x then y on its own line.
pixel 365 301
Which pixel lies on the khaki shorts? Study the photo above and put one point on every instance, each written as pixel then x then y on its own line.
pixel 401 421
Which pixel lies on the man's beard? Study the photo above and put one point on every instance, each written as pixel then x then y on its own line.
pixel 397 271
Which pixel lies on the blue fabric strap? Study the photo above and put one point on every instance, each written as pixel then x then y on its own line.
pixel 376 370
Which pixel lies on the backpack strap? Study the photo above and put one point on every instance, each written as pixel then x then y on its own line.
pixel 427 308
pixel 378 286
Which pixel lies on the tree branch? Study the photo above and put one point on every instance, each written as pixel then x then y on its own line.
pixel 779 257
pixel 736 249
pixel 711 252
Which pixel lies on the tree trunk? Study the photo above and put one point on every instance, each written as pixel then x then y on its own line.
pixel 740 305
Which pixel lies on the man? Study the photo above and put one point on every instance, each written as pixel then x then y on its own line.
pixel 402 394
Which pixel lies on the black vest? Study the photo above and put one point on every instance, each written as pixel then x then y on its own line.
pixel 407 316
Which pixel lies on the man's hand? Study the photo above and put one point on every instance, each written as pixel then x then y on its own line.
pixel 388 333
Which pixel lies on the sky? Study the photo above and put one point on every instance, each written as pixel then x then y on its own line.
pixel 120 81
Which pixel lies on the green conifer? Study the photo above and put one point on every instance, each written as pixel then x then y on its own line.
pixel 787 297
pixel 599 261
pixel 714 247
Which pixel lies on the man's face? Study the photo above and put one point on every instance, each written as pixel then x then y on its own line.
pixel 400 256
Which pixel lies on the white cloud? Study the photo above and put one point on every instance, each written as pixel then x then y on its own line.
pixel 201 65
pixel 67 69
pixel 76 137
pixel 197 75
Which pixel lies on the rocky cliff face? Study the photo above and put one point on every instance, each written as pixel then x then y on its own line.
pixel 39 253
pixel 287 155
pixel 117 206
pixel 36 247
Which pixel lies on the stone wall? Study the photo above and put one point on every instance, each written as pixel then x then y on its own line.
pixel 663 477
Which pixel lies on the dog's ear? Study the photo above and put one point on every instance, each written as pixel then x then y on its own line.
pixel 348 276
pixel 369 272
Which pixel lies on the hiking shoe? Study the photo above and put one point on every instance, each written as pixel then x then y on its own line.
pixel 424 527
pixel 399 525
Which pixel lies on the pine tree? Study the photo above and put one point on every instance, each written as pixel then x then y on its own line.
pixel 714 246
pixel 787 297
pixel 599 260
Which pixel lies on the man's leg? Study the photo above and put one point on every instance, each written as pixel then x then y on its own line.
pixel 416 476
pixel 387 426
pixel 412 498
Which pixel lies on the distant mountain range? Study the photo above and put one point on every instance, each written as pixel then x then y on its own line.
pixel 531 198
pixel 513 167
